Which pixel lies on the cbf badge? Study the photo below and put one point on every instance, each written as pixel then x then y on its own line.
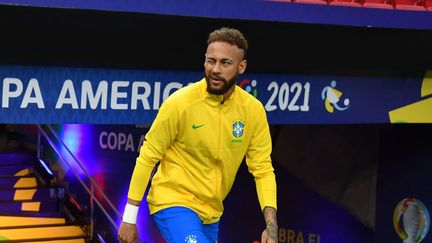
pixel 238 128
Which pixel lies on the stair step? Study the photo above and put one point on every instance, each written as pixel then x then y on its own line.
pixel 53 214
pixel 27 194
pixel 17 170
pixel 17 182
pixel 8 159
pixel 42 233
pixel 19 221
pixel 14 208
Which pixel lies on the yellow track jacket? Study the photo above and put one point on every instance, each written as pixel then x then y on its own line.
pixel 200 142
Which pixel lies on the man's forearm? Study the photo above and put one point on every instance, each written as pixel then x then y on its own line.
pixel 271 222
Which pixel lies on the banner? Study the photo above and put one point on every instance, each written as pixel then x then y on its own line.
pixel 263 10
pixel 113 96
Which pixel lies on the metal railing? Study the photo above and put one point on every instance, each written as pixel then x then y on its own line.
pixel 93 184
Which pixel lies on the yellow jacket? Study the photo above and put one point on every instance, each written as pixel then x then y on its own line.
pixel 200 143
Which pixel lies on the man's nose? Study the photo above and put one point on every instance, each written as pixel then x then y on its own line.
pixel 217 68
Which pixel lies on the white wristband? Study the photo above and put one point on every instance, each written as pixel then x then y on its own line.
pixel 130 214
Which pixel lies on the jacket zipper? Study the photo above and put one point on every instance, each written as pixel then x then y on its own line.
pixel 219 147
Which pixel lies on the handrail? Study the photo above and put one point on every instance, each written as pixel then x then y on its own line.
pixel 85 171
pixel 49 140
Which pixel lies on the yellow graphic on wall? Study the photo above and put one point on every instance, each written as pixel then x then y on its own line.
pixel 417 112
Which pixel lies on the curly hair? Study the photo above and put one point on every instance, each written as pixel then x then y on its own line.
pixel 231 36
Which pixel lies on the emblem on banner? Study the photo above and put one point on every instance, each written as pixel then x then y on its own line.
pixel 332 96
pixel 249 86
pixel 411 220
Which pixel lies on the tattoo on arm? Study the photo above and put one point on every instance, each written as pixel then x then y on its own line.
pixel 271 222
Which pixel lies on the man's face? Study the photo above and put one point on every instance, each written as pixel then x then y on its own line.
pixel 223 63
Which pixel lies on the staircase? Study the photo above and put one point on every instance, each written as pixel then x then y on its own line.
pixel 30 208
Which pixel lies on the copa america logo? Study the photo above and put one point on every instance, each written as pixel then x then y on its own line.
pixel 411 220
pixel 249 86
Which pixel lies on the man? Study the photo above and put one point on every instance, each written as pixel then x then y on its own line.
pixel 200 136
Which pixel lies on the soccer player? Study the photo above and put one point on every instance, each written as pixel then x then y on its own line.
pixel 200 136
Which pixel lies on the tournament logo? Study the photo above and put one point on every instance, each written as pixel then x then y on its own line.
pixel 238 127
pixel 411 220
pixel 249 86
pixel 331 97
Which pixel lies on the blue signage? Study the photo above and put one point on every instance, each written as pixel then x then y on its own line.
pixel 113 96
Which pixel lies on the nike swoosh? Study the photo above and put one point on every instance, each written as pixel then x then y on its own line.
pixel 197 126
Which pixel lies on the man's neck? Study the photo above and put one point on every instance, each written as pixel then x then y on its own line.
pixel 227 94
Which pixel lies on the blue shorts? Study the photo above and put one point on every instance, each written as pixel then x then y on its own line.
pixel 182 225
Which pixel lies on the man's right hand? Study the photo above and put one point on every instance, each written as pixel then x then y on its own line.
pixel 128 233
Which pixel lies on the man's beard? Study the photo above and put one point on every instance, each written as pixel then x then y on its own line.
pixel 225 87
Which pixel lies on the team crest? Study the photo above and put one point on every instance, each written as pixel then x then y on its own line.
pixel 191 239
pixel 238 128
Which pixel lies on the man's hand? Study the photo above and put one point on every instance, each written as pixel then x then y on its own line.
pixel 128 233
pixel 270 234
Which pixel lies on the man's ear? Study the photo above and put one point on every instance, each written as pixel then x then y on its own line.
pixel 242 66
pixel 205 58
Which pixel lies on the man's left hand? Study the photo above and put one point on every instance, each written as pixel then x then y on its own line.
pixel 269 235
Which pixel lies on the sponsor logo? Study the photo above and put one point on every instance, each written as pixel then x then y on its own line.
pixel 197 126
